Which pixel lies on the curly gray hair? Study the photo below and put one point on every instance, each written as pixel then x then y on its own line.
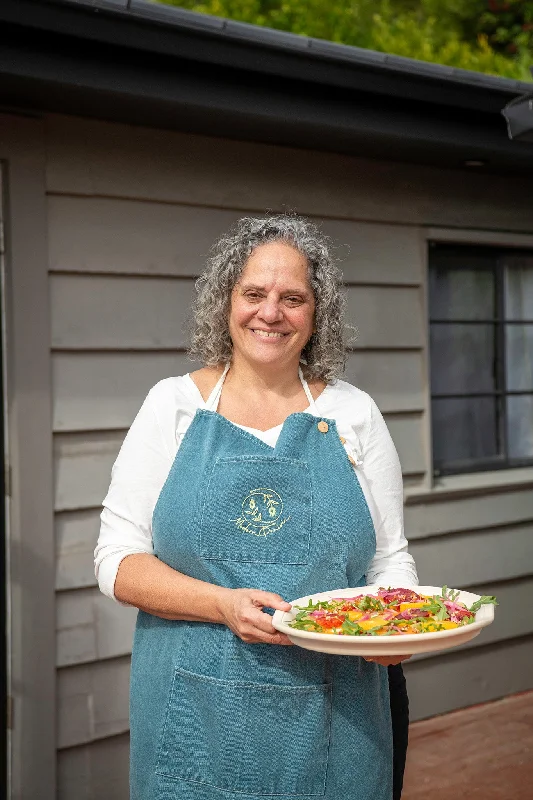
pixel 324 354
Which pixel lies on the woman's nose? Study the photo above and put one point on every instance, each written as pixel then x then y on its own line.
pixel 270 310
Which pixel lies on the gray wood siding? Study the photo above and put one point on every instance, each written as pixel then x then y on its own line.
pixel 132 214
pixel 94 159
pixel 98 770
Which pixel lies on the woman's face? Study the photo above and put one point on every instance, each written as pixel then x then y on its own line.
pixel 272 306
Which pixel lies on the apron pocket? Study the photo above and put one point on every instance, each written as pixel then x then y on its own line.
pixel 257 739
pixel 257 509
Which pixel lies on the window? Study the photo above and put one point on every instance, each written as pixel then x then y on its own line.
pixel 481 355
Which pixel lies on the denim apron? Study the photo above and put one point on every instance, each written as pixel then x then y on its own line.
pixel 213 718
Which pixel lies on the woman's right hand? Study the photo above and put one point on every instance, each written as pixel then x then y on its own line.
pixel 242 611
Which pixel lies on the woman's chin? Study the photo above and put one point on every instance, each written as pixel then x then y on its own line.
pixel 268 355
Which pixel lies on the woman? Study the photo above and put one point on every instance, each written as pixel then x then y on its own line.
pixel 256 479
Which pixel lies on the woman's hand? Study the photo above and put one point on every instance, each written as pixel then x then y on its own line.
pixel 241 610
pixel 386 661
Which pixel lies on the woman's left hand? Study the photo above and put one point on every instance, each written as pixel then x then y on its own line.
pixel 386 661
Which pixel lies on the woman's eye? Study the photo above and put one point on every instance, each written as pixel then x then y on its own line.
pixel 294 301
pixel 252 296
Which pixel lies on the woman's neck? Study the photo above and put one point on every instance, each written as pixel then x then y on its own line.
pixel 261 379
pixel 261 398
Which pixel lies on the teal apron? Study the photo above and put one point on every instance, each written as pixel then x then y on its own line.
pixel 213 718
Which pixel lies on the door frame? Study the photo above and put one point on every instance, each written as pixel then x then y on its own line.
pixel 30 624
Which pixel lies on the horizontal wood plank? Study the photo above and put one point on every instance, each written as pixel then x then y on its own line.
pixel 496 508
pixel 82 467
pixel 94 311
pixel 76 629
pixel 90 157
pixel 466 559
pixel 90 627
pixel 377 253
pixel 108 235
pixel 76 536
pixel 93 701
pixel 104 391
pixel 394 379
pixel 104 235
pixel 464 678
pixel 407 431
pixel 386 317
pixel 96 770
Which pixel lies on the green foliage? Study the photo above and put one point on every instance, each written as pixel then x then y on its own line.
pixel 492 36
pixel 507 24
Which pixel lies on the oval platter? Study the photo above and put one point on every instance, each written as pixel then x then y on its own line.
pixel 402 644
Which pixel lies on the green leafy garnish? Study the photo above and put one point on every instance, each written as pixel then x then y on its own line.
pixel 485 600
pixel 370 604
pixel 350 628
pixel 450 594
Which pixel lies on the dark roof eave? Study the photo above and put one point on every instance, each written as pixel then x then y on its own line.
pixel 153 27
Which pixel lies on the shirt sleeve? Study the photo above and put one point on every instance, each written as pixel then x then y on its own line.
pixel 392 565
pixel 137 478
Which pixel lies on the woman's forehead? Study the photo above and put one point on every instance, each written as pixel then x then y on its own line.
pixel 276 262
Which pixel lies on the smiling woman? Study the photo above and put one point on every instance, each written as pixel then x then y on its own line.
pixel 261 469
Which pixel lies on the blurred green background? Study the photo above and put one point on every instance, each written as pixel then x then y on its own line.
pixel 491 36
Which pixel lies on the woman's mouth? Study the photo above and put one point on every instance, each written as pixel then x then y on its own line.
pixel 268 334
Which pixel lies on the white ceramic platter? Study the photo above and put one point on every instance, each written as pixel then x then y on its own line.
pixel 403 644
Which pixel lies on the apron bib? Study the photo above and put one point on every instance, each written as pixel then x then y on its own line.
pixel 212 717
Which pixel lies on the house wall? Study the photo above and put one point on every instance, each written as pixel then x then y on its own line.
pixel 131 215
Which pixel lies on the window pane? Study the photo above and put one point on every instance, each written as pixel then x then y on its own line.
pixel 519 357
pixel 462 358
pixel 520 426
pixel 461 293
pixel 464 430
pixel 519 287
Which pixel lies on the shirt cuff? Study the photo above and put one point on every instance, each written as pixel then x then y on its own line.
pixel 106 572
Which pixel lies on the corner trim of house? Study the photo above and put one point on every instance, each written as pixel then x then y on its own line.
pixel 30 513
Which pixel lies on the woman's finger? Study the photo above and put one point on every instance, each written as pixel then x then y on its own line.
pixel 242 610
pixel 266 638
pixel 257 619
pixel 270 600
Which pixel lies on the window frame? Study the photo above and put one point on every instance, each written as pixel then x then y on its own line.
pixel 498 246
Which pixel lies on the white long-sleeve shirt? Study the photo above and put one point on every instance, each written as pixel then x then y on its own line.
pixel 155 436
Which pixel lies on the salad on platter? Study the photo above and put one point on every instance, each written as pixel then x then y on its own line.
pixel 387 612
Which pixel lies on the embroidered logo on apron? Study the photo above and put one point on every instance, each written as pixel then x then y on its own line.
pixel 262 513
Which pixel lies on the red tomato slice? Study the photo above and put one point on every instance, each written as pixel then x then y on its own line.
pixel 331 621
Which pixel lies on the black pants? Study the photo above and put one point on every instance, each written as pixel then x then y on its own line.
pixel 399 706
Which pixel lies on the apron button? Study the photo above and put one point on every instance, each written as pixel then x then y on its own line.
pixel 343 440
pixel 352 461
pixel 322 426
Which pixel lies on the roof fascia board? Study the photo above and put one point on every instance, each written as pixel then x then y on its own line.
pixel 174 100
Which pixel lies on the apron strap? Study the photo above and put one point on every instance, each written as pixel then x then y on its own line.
pixel 312 407
pixel 211 404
